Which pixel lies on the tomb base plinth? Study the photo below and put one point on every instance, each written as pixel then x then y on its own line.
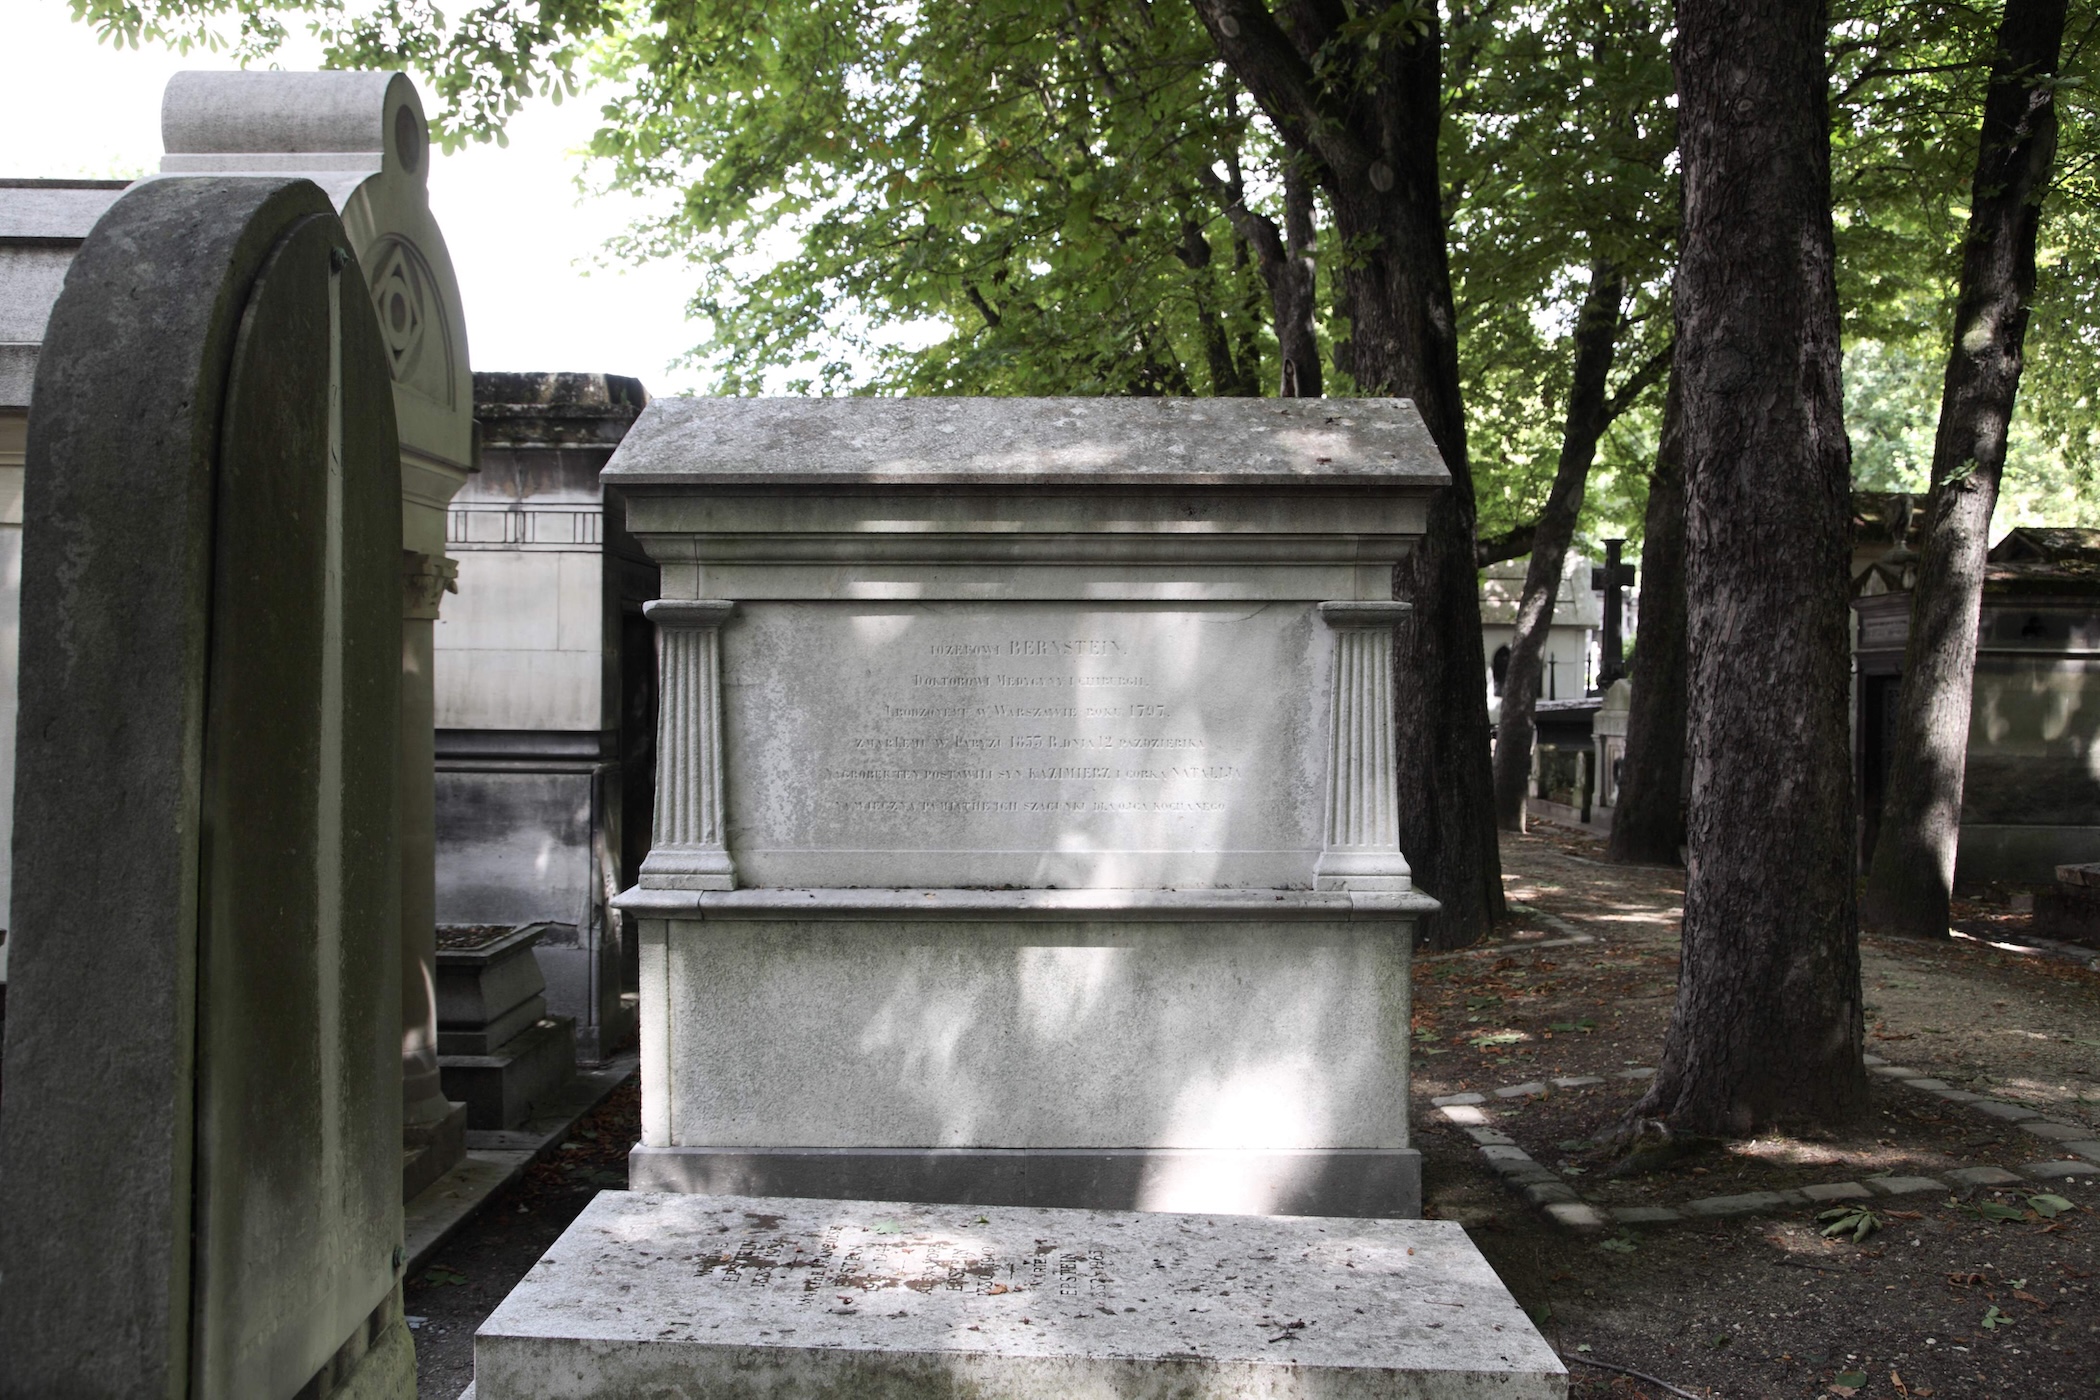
pixel 501 1088
pixel 1219 1050
pixel 1356 1183
pixel 727 1296
pixel 429 1150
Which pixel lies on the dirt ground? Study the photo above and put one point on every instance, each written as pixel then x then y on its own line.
pixel 1945 1300
pixel 484 1261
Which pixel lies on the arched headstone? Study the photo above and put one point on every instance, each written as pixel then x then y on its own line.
pixel 199 1164
pixel 363 139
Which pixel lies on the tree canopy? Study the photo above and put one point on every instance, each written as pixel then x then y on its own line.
pixel 880 197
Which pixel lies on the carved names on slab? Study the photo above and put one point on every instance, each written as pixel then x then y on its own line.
pixel 1005 744
pixel 844 1264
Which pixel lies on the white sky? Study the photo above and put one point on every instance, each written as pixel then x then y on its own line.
pixel 526 250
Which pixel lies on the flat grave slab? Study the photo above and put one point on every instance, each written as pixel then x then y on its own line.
pixel 727 1297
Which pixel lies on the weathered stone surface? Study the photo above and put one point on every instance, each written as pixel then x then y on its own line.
pixel 1453 1100
pixel 1465 1114
pixel 1576 1215
pixel 1894 1072
pixel 1836 1191
pixel 1541 1193
pixel 734 1297
pixel 1904 1185
pixel 361 137
pixel 1025 744
pixel 1577 1081
pixel 1491 1137
pixel 199 1144
pixel 42 224
pixel 1646 1215
pixel 2055 1132
pixel 1982 1176
pixel 1193 1025
pixel 1521 1091
pixel 2010 1112
pixel 1749 1203
pixel 1930 1086
pixel 2057 1171
pixel 1025 784
pixel 1068 442
pixel 1507 1159
pixel 2090 1148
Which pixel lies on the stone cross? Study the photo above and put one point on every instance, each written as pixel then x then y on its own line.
pixel 1610 580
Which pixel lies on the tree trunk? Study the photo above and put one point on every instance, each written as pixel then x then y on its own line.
pixel 1285 259
pixel 1912 874
pixel 1647 824
pixel 1596 337
pixel 1767 1026
pixel 1293 291
pixel 1365 123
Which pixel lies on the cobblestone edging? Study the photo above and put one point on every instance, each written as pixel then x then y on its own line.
pixel 1563 1204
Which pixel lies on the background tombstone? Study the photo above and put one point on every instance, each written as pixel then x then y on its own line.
pixel 546 678
pixel 199 1161
pixel 362 138
pixel 42 223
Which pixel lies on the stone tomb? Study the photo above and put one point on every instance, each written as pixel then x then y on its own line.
pixel 1026 828
pixel 729 1297
pixel 200 1157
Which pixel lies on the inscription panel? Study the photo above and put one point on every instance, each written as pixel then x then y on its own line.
pixel 1044 745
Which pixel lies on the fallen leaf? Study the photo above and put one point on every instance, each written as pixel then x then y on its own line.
pixel 2049 1206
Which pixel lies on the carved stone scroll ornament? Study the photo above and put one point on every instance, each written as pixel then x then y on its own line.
pixel 425 580
pixel 1362 850
pixel 689 851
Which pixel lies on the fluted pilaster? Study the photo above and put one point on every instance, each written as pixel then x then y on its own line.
pixel 1363 805
pixel 688 850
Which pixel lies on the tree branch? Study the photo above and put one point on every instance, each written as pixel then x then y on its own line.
pixel 1262 56
pixel 1513 543
pixel 1637 383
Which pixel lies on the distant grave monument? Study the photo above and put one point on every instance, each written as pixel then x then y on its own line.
pixel 200 1134
pixel 362 138
pixel 546 684
pixel 1026 819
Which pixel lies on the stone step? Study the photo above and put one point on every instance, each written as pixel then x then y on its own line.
pixel 650 1294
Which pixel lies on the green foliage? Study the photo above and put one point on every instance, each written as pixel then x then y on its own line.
pixel 480 63
pixel 1559 148
pixel 1027 196
pixel 1908 82
pixel 1032 187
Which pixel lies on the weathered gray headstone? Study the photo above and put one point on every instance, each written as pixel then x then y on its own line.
pixel 734 1298
pixel 362 138
pixel 199 1140
pixel 42 224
